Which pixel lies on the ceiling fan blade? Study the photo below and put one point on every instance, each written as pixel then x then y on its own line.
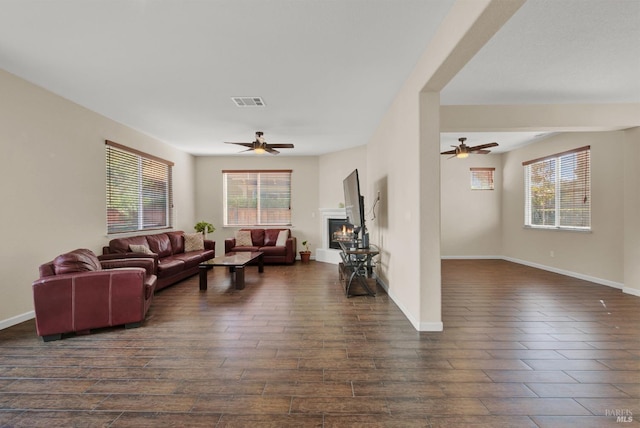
pixel 281 146
pixel 268 149
pixel 450 152
pixel 482 146
pixel 481 152
pixel 242 144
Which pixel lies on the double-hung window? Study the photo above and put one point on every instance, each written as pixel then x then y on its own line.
pixel 482 178
pixel 139 190
pixel 257 198
pixel 558 191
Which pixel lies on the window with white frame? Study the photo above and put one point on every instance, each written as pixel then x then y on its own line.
pixel 257 197
pixel 139 190
pixel 558 191
pixel 482 178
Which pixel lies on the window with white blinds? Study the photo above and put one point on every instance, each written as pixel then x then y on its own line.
pixel 482 178
pixel 139 190
pixel 558 190
pixel 257 198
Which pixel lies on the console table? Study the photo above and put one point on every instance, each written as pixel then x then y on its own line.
pixel 357 265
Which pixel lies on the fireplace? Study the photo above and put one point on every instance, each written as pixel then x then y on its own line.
pixel 339 230
pixel 327 253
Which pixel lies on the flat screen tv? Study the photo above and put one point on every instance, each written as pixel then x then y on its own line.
pixel 354 203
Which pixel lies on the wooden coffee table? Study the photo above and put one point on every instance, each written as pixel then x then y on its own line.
pixel 236 262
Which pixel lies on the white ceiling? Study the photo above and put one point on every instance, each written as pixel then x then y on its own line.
pixel 327 70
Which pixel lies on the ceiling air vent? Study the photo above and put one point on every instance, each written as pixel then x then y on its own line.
pixel 248 101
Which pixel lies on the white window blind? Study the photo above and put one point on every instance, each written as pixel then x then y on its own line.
pixel 482 178
pixel 558 190
pixel 139 190
pixel 257 198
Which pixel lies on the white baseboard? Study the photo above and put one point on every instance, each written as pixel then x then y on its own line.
pixel 419 326
pixel 471 257
pixel 9 322
pixel 632 291
pixel 589 278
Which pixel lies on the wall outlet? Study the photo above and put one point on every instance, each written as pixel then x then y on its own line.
pixel 552 253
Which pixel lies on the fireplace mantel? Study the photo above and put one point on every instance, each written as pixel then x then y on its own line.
pixel 324 253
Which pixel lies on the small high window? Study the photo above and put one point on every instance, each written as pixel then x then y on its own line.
pixel 482 178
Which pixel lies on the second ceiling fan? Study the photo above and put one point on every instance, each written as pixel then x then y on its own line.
pixel 462 151
pixel 260 145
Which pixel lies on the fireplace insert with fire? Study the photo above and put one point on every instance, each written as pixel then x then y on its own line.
pixel 339 230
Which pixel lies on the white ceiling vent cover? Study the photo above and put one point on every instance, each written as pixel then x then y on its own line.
pixel 248 101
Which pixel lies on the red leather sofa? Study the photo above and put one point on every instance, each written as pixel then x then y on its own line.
pixel 77 292
pixel 167 250
pixel 264 240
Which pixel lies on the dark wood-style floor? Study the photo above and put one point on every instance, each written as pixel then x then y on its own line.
pixel 521 348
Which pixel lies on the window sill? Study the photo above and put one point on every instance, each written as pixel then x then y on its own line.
pixel 558 229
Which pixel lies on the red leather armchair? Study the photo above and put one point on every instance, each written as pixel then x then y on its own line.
pixel 77 292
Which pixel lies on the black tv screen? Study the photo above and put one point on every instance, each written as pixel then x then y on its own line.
pixel 353 201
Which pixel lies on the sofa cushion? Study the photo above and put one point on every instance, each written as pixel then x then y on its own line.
pixel 190 259
pixel 140 249
pixel 193 242
pixel 169 266
pixel 160 244
pixel 270 237
pixel 80 260
pixel 257 237
pixel 243 239
pixel 121 245
pixel 272 250
pixel 177 241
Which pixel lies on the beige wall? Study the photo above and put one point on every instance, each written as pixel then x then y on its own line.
pixel 597 255
pixel 334 168
pixel 632 211
pixel 304 192
pixel 471 219
pixel 52 183
pixel 393 169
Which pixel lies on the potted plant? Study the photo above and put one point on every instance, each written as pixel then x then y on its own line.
pixel 204 228
pixel 306 254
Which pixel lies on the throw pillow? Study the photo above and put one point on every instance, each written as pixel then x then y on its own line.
pixel 282 238
pixel 243 238
pixel 193 242
pixel 140 249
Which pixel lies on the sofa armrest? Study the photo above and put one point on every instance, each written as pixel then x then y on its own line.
pixel 292 247
pixel 229 243
pixel 149 264
pixel 209 245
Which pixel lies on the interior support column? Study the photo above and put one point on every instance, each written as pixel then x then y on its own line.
pixel 632 212
pixel 430 277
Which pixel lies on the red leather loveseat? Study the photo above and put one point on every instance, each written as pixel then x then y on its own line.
pixel 172 263
pixel 77 292
pixel 265 240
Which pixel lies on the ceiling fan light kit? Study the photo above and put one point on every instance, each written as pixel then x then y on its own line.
pixel 463 151
pixel 261 146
